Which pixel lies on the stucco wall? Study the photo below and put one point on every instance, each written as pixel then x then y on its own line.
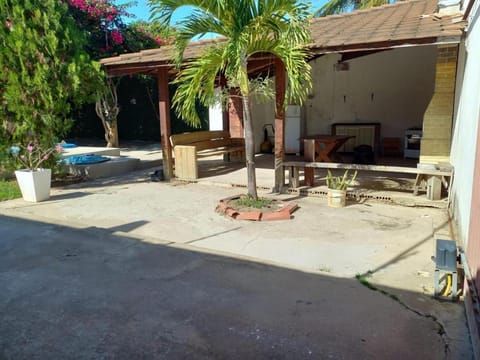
pixel 391 87
pixel 465 131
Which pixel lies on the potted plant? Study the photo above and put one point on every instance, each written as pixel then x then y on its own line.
pixel 34 181
pixel 337 188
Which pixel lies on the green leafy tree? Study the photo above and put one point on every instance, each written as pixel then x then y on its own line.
pixel 278 27
pixel 340 6
pixel 45 70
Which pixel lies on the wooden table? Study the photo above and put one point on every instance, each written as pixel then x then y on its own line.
pixel 321 148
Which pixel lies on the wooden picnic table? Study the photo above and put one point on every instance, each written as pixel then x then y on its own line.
pixel 321 148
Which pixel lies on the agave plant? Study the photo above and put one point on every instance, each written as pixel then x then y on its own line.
pixel 339 182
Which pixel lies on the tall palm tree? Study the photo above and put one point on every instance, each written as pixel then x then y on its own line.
pixel 278 27
pixel 340 6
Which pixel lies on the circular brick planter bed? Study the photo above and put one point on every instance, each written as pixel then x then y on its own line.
pixel 277 210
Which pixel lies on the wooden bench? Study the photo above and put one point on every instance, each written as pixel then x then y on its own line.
pixel 188 147
pixel 429 179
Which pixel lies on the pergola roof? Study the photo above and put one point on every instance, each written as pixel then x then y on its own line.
pixel 406 23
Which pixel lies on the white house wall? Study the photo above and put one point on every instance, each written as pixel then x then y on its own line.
pixel 465 132
pixel 215 115
pixel 391 87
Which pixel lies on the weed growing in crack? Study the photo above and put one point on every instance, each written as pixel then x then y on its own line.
pixel 362 278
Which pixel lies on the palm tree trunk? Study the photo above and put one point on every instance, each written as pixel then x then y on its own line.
pixel 249 148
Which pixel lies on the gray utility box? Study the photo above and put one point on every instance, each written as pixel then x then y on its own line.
pixel 446 262
pixel 446 255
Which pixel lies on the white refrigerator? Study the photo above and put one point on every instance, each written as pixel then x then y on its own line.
pixel 292 129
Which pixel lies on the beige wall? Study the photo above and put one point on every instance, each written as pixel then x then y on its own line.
pixel 391 87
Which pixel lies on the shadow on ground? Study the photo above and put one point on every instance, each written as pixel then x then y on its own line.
pixel 90 293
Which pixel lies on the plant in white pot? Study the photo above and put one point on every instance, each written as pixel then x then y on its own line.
pixel 33 180
pixel 337 188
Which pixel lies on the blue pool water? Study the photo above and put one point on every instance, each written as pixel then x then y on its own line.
pixel 67 145
pixel 85 159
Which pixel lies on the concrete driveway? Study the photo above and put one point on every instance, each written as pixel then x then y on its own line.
pixel 128 268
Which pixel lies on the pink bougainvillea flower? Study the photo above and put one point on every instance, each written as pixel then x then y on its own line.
pixel 30 148
pixel 59 148
pixel 79 4
pixel 117 38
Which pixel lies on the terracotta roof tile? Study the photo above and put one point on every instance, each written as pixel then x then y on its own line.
pixel 405 22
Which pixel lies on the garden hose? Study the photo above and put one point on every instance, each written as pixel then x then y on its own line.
pixel 448 287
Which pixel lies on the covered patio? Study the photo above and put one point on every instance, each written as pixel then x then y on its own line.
pixel 336 41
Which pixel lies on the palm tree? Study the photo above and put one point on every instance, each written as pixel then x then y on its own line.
pixel 340 6
pixel 277 27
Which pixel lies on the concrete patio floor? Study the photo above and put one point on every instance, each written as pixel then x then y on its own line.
pixel 386 187
pixel 128 268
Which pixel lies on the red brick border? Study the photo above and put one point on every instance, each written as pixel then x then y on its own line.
pixel 285 213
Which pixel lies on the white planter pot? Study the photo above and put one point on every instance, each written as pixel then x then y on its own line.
pixel 337 198
pixel 35 185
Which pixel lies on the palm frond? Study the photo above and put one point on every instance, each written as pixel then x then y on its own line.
pixel 278 27
pixel 340 6
pixel 335 7
pixel 365 4
pixel 196 82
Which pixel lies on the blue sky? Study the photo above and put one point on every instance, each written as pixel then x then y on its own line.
pixel 141 10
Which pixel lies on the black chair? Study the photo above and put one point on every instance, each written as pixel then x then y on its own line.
pixel 363 154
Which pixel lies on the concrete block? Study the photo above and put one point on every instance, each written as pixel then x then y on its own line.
pixel 115 166
pixel 86 150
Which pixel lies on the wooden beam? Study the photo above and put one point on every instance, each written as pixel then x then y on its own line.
pixel 165 123
pixel 382 168
pixel 379 45
pixel 280 89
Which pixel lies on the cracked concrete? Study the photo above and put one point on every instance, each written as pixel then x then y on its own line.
pixel 127 268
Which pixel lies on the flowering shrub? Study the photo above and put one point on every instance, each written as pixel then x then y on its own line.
pixel 32 156
pixel 108 35
pixel 117 37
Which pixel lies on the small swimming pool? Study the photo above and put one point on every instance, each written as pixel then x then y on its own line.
pixel 85 159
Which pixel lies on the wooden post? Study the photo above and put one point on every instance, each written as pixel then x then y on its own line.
pixel 165 125
pixel 280 87
pixel 235 114
pixel 225 112
pixel 225 115
pixel 309 155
